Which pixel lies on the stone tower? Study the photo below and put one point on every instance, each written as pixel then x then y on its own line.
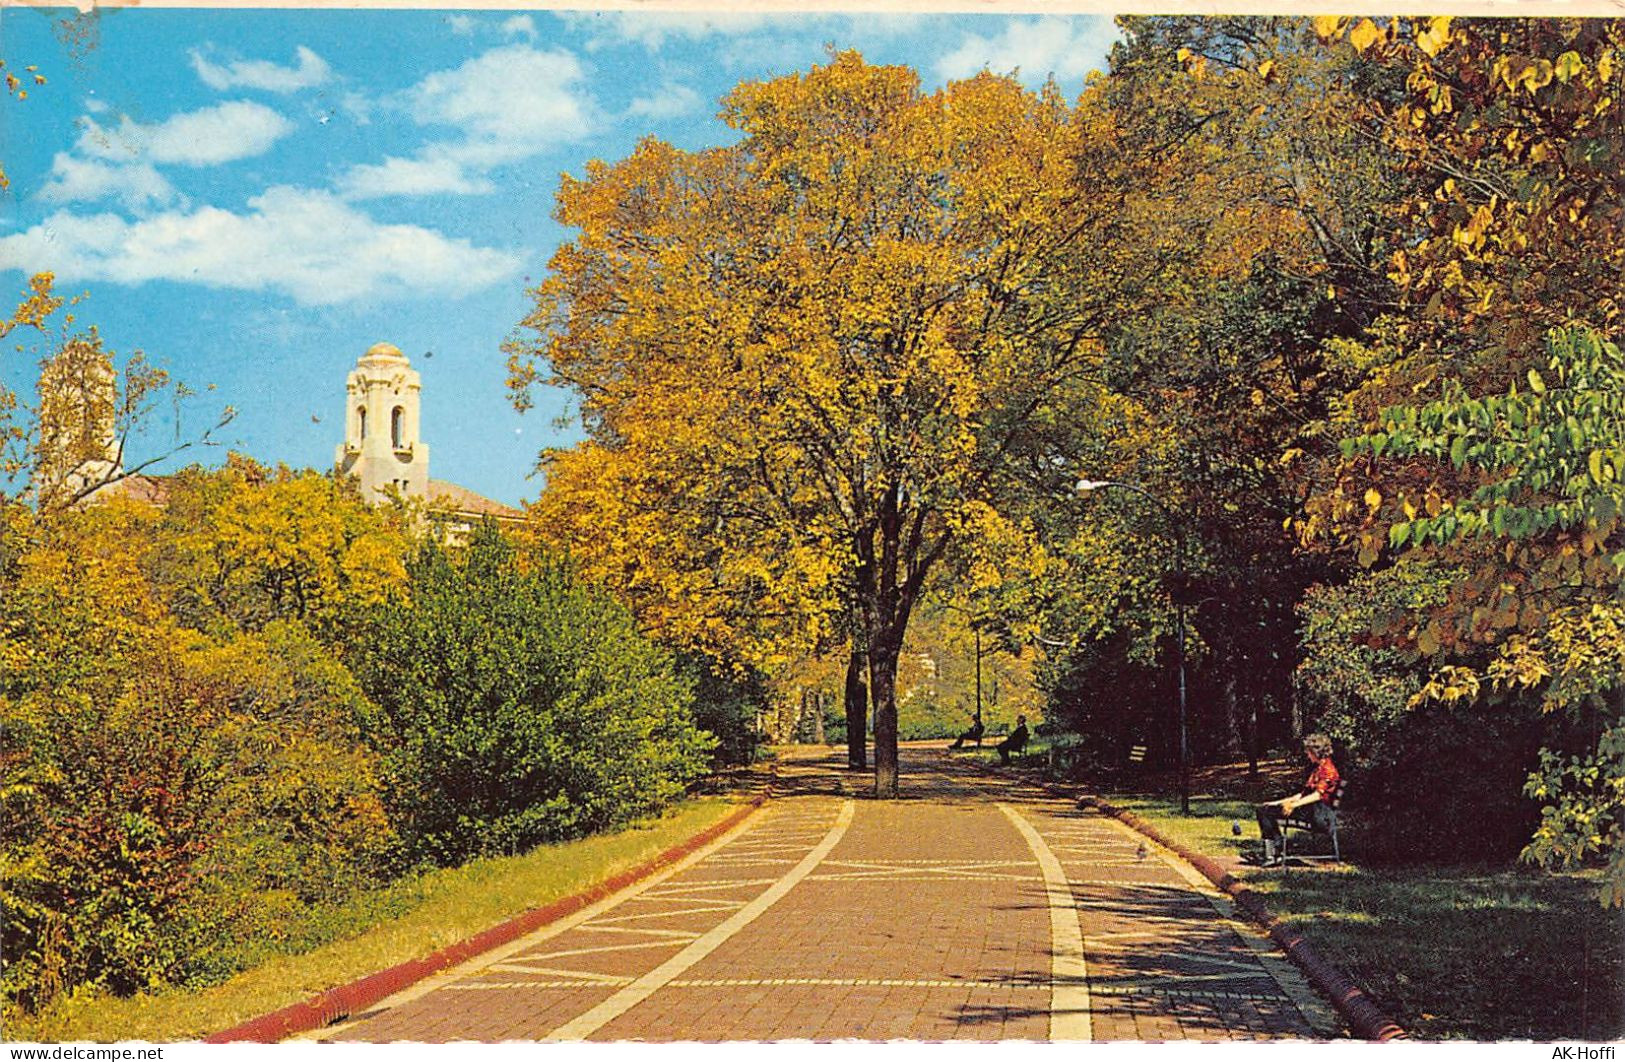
pixel 381 446
pixel 79 448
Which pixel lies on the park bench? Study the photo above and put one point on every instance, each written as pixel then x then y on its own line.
pixel 1307 826
pixel 1012 745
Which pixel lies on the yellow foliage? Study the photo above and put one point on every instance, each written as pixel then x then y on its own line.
pixel 800 358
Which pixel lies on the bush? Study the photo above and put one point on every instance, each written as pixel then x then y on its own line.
pixel 519 706
pixel 167 797
pixel 1430 780
pixel 151 834
pixel 725 706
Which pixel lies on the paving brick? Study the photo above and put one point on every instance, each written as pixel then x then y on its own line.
pixel 928 920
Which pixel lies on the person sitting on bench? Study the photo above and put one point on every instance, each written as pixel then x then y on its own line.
pixel 1015 742
pixel 973 734
pixel 1318 792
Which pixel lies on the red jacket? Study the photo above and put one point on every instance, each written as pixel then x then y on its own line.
pixel 1323 780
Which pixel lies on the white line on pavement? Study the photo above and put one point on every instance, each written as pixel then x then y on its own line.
pixel 1273 961
pixel 446 978
pixel 585 1025
pixel 1069 978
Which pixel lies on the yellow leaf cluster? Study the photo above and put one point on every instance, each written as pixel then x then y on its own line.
pixel 798 356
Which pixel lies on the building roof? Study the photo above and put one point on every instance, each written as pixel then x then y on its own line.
pixel 466 503
pixel 153 490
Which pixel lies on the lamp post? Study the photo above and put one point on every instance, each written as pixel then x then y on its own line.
pixel 1086 486
pixel 976 621
pixel 978 632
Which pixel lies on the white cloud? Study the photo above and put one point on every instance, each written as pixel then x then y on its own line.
pixel 75 180
pixel 653 30
pixel 356 107
pixel 669 101
pixel 222 133
pixel 520 26
pixel 1066 47
pixel 512 102
pixel 514 26
pixel 306 244
pixel 429 175
pixel 308 71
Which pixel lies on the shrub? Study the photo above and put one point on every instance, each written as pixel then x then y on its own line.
pixel 725 706
pixel 519 706
pixel 1431 780
pixel 166 797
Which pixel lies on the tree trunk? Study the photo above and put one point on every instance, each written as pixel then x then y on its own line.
pixel 883 684
pixel 818 717
pixel 857 710
pixel 1232 716
pixel 1252 741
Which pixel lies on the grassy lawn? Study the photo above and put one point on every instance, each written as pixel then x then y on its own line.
pixel 409 919
pixel 1449 952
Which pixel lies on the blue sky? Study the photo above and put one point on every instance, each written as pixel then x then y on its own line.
pixel 255 197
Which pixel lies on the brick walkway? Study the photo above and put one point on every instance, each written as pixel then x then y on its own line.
pixel 975 908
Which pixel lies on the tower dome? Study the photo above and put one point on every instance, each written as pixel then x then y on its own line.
pixel 383 352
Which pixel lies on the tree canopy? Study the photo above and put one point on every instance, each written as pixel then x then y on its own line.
pixel 819 363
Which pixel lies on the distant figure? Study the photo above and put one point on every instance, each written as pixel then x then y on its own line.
pixel 1318 792
pixel 1015 742
pixel 973 734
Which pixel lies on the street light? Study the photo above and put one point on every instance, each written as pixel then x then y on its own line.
pixel 976 622
pixel 1086 486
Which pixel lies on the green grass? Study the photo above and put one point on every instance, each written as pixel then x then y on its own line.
pixel 1449 952
pixel 410 919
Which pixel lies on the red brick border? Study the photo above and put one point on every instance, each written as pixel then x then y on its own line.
pixel 336 1003
pixel 1366 1020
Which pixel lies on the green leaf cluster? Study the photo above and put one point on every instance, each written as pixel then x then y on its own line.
pixel 519 706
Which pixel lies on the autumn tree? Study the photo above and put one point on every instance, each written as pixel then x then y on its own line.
pixel 246 545
pixel 819 348
pixel 1548 459
pixel 1511 130
pixel 1461 461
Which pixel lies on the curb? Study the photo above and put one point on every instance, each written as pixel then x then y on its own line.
pixel 341 1001
pixel 1366 1020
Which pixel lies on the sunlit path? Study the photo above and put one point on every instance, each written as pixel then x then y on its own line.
pixel 975 908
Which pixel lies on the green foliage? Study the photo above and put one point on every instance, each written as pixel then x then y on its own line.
pixel 1542 468
pixel 1552 456
pixel 924 718
pixel 1357 684
pixel 725 706
pixel 1434 782
pixel 519 706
